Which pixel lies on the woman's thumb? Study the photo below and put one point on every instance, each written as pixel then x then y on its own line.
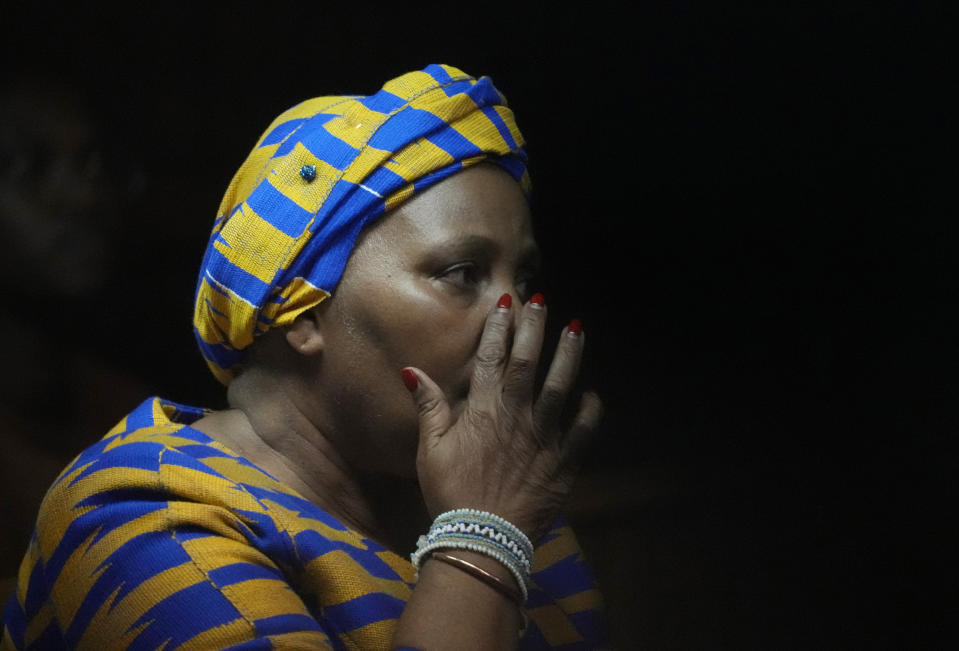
pixel 434 412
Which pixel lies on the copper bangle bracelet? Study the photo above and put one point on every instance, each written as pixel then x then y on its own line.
pixel 489 579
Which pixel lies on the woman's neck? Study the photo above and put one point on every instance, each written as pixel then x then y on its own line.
pixel 265 426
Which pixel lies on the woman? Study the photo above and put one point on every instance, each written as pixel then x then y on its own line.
pixel 285 521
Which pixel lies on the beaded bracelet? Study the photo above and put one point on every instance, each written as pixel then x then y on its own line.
pixel 482 526
pixel 484 533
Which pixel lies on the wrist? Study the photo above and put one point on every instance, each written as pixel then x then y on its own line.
pixel 479 568
pixel 483 568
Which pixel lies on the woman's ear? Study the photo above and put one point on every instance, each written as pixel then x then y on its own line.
pixel 304 334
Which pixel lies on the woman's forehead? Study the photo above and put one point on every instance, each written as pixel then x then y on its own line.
pixel 479 202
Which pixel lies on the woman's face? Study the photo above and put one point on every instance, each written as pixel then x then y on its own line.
pixel 416 292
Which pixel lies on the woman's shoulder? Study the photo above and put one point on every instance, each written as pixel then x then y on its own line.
pixel 153 467
pixel 133 453
pixel 149 464
pixel 148 447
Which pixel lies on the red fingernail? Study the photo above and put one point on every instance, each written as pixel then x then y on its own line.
pixel 505 301
pixel 410 379
pixel 537 300
pixel 575 327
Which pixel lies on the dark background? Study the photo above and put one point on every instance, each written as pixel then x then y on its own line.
pixel 750 208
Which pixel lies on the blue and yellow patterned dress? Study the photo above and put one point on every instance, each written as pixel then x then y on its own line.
pixel 158 537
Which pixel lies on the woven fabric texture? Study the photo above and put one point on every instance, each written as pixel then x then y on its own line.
pixel 159 537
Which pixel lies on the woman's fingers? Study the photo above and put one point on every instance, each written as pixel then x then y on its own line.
pixel 520 375
pixel 435 416
pixel 548 411
pixel 506 364
pixel 493 350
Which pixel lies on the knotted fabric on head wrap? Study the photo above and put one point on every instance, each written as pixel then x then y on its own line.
pixel 322 171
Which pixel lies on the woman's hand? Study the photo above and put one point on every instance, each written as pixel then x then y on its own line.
pixel 507 452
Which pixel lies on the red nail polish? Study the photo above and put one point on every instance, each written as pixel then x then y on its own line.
pixel 575 327
pixel 538 299
pixel 505 301
pixel 410 379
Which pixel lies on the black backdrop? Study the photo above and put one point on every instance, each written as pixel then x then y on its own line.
pixel 748 207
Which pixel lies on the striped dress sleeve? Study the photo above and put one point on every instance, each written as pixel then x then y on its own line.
pixel 120 562
pixel 565 606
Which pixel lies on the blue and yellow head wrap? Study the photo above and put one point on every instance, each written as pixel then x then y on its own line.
pixel 322 171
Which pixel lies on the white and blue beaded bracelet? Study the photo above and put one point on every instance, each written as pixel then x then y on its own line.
pixel 483 533
pixel 480 525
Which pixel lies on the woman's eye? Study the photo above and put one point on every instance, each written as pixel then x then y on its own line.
pixel 463 274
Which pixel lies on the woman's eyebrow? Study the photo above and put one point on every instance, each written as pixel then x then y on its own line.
pixel 529 256
pixel 466 245
pixel 474 244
